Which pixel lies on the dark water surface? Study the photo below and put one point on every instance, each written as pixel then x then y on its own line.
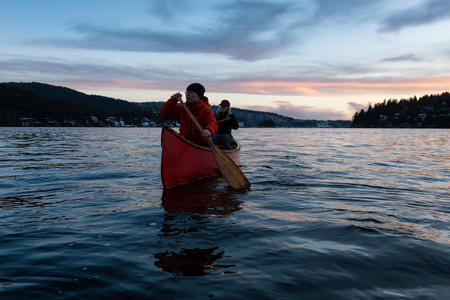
pixel 332 214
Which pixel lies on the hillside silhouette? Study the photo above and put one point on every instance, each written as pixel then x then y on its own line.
pixel 19 106
pixel 39 104
pixel 109 105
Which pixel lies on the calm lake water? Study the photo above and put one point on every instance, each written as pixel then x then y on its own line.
pixel 332 214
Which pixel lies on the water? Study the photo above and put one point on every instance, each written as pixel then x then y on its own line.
pixel 332 214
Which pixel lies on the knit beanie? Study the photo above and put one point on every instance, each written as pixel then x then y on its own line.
pixel 197 88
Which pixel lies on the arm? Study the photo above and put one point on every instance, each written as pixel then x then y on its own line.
pixel 211 123
pixel 233 122
pixel 169 110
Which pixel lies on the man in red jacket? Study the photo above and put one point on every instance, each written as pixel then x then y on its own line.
pixel 199 106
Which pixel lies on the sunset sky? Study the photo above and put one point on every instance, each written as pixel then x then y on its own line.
pixel 308 59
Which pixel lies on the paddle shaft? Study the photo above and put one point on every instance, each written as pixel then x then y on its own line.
pixel 226 119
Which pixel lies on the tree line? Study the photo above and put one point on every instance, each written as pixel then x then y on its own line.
pixel 429 111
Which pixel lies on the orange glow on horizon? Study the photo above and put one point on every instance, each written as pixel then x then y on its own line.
pixel 386 89
pixel 328 88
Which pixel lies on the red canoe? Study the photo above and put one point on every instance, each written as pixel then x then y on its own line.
pixel 183 161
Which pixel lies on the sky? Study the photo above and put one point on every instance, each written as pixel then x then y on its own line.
pixel 307 59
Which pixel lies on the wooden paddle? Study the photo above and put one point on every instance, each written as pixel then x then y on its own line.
pixel 233 175
pixel 226 119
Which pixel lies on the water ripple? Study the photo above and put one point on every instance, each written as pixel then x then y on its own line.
pixel 331 214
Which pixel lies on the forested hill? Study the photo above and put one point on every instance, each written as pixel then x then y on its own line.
pixel 39 104
pixel 20 107
pixel 430 111
pixel 109 105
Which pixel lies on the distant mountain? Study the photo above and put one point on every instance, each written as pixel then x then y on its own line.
pixel 23 107
pixel 430 111
pixel 20 107
pixel 39 104
pixel 252 118
pixel 109 105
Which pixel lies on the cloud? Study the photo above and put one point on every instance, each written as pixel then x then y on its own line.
pixel 248 30
pixel 242 30
pixel 406 57
pixel 88 74
pixel 68 69
pixel 286 108
pixel 358 106
pixel 342 9
pixel 425 13
pixel 353 86
pixel 61 69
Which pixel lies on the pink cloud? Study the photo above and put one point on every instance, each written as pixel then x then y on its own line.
pixel 308 88
pixel 388 88
pixel 359 106
pixel 286 108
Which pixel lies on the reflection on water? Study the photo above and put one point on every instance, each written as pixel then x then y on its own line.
pixel 205 197
pixel 191 262
pixel 15 202
pixel 191 208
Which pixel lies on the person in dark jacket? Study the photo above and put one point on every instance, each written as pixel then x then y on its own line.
pixel 226 122
pixel 198 104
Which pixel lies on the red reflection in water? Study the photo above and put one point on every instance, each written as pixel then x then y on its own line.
pixel 205 197
pixel 191 262
pixel 189 208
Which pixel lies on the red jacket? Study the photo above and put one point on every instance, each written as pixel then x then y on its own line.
pixel 202 113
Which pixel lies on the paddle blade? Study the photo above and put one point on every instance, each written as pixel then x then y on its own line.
pixel 233 175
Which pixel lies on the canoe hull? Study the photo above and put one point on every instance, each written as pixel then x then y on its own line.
pixel 183 161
